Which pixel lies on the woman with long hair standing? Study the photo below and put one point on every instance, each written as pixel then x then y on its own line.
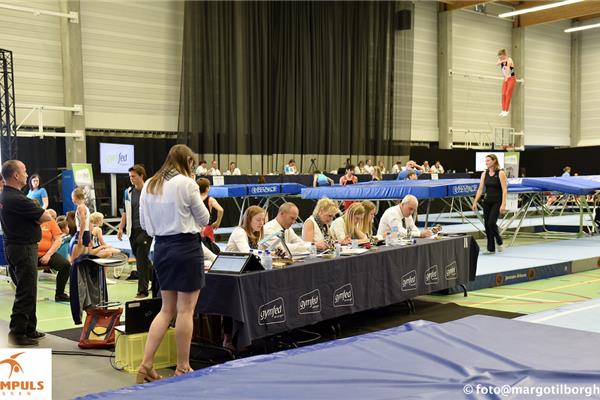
pixel 493 179
pixel 172 211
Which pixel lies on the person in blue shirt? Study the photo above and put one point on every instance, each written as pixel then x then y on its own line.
pixel 320 179
pixel 37 193
pixel 566 171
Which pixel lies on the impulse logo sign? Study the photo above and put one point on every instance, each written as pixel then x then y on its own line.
pixel 431 275
pixel 272 312
pixel 464 190
pixel 343 296
pixel 264 189
pixel 310 303
pixel 409 281
pixel 25 374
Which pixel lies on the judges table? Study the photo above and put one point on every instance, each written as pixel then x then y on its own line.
pixel 265 303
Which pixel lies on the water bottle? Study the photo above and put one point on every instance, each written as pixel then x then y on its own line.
pixel 394 233
pixel 355 243
pixel 313 251
pixel 388 239
pixel 267 260
pixel 338 249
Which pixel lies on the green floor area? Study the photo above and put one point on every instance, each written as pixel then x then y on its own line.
pixel 53 316
pixel 531 297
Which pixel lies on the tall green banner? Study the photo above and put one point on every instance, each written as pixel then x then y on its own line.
pixel 84 178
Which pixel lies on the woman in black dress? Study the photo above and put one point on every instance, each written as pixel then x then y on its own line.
pixel 494 204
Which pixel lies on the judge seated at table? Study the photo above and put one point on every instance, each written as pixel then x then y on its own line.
pixel 286 217
pixel 347 227
pixel 316 229
pixel 247 235
pixel 401 216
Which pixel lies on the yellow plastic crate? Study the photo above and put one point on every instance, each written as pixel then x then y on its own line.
pixel 129 350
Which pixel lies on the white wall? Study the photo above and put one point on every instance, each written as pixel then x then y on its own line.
pixel 590 87
pixel 132 64
pixel 476 40
pixel 37 59
pixel 424 105
pixel 547 85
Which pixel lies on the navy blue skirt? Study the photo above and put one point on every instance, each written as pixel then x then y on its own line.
pixel 179 262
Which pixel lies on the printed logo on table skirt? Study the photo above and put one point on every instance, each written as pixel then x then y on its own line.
pixel 272 312
pixel 451 271
pixel 409 281
pixel 343 296
pixel 431 275
pixel 310 303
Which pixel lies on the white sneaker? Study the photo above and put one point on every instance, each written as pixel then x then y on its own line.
pixel 500 248
pixel 501 114
pixel 489 253
pixel 110 281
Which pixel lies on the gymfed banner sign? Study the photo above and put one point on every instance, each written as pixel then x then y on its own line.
pixel 116 158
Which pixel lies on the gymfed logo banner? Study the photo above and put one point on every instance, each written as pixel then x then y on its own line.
pixel 343 296
pixel 409 281
pixel 310 303
pixel 264 189
pixel 451 271
pixel 431 275
pixel 26 374
pixel 272 312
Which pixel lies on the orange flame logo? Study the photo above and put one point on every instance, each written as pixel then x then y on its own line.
pixel 13 363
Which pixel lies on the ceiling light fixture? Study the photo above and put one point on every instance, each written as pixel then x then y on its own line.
pixel 582 28
pixel 539 8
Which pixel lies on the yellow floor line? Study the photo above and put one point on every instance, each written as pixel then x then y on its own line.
pixel 536 291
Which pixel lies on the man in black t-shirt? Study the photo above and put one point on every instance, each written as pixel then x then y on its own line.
pixel 21 218
pixel 138 238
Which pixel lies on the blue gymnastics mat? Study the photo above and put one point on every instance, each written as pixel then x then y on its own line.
pixel 416 361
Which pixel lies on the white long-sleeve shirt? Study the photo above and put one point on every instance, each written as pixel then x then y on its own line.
pixel 179 209
pixel 238 241
pixel 235 172
pixel 293 241
pixel 338 229
pixel 393 217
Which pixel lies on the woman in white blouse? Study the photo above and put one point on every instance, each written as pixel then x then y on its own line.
pixel 242 239
pixel 347 227
pixel 172 211
pixel 316 228
pixel 250 232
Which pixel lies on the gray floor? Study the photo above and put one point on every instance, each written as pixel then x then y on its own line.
pixel 74 376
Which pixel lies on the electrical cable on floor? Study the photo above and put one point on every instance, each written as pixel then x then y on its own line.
pixel 111 356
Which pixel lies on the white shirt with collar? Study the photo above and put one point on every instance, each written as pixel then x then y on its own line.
pixel 238 241
pixel 393 217
pixel 200 171
pixel 396 169
pixel 369 169
pixel 235 172
pixel 214 171
pixel 338 229
pixel 292 240
pixel 179 209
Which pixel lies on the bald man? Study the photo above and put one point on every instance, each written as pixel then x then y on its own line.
pixel 286 217
pixel 402 217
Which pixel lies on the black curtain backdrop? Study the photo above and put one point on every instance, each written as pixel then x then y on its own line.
pixel 270 78
pixel 147 151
